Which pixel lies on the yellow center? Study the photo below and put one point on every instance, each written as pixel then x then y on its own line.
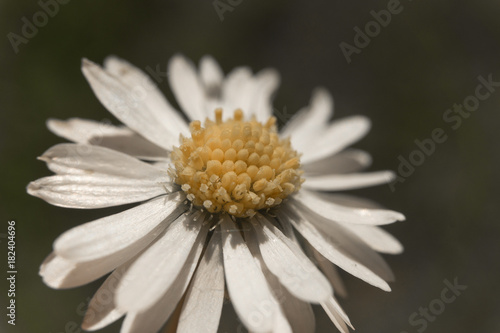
pixel 236 166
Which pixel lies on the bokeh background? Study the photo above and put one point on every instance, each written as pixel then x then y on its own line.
pixel 425 60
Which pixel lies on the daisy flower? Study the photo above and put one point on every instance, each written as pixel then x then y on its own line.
pixel 228 206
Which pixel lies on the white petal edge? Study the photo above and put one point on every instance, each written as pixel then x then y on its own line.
pixel 151 319
pixel 163 261
pixel 329 270
pixel 336 314
pixel 211 74
pixel 250 294
pixel 348 181
pixel 267 82
pixel 339 135
pixel 238 91
pixel 349 200
pixel 89 191
pixel 347 161
pixel 376 238
pixel 344 214
pixel 322 242
pixel 309 119
pixel 289 264
pixel 142 85
pixel 103 134
pixel 121 233
pixel 128 106
pixel 299 314
pixel 187 87
pixel 70 158
pixel 350 244
pixel 59 273
pixel 203 301
pixel 102 309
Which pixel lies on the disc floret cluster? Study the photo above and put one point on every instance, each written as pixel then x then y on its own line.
pixel 236 166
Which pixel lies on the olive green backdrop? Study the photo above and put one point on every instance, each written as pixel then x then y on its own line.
pixel 426 59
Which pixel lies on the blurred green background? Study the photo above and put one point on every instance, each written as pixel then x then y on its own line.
pixel 425 60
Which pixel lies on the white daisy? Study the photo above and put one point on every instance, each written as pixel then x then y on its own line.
pixel 225 204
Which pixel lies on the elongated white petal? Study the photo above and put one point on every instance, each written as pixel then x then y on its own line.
pixel 349 200
pixel 376 238
pixel 344 251
pixel 120 234
pixel 344 214
pixel 290 265
pixel 162 261
pixel 250 294
pixel 366 256
pixel 102 309
pixel 69 158
pixel 347 161
pixel 93 190
pixel 337 315
pixel 238 90
pixel 127 105
pixel 266 82
pixel 187 87
pixel 85 130
pixel 151 319
pixel 59 273
pixel 339 135
pixel 309 119
pixel 299 314
pixel 348 182
pixel 106 135
pixel 202 306
pixel 329 270
pixel 143 86
pixel 212 76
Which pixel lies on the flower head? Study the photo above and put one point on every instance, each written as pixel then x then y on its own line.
pixel 225 202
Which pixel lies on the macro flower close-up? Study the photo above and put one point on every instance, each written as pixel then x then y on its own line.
pixel 227 204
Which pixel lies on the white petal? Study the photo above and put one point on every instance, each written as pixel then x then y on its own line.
pixel 162 261
pixel 281 324
pixel 344 214
pixel 267 81
pixel 93 190
pixel 309 119
pixel 60 273
pixel 238 90
pixel 376 238
pixel 339 135
pixel 120 234
pixel 202 306
pixel 128 106
pixel 290 265
pixel 106 135
pixel 299 314
pixel 349 200
pixel 250 294
pixel 352 244
pixel 102 309
pixel 329 270
pixel 69 158
pixel 348 182
pixel 151 319
pixel 341 251
pixel 211 75
pixel 84 130
pixel 142 85
pixel 187 87
pixel 337 315
pixel 347 161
